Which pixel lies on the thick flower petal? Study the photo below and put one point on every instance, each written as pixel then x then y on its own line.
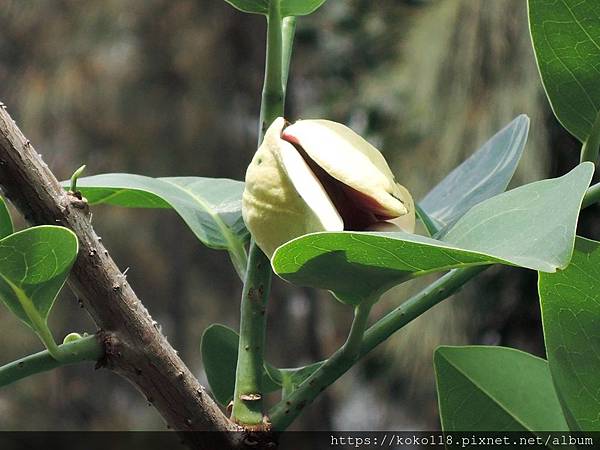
pixel 404 223
pixel 318 175
pixel 350 159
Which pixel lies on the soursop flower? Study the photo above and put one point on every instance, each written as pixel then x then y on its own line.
pixel 319 175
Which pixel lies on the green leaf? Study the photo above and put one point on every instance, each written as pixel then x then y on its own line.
pixel 211 207
pixel 484 174
pixel 288 7
pixel 532 226
pixel 432 226
pixel 6 225
pixel 292 378
pixel 566 40
pixel 299 7
pixel 570 302
pixel 251 6
pixel 34 264
pixel 219 349
pixel 495 389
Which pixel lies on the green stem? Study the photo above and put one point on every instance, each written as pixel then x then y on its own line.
pixel 271 105
pixel 284 413
pixel 288 32
pixel 84 349
pixel 247 400
pixel 75 177
pixel 590 148
pixel 412 308
pixel 428 222
pixel 591 196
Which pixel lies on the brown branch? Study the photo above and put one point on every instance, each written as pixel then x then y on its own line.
pixel 135 348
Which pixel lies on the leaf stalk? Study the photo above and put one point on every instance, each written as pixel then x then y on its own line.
pixel 591 196
pixel 284 413
pixel 248 394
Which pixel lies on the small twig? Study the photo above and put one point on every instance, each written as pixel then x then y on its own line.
pixel 87 348
pixel 75 177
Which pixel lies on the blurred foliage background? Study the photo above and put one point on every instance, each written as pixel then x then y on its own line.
pixel 172 87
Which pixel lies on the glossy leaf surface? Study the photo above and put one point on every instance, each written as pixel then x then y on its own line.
pixel 524 227
pixel 570 302
pixel 34 265
pixel 288 7
pixel 483 175
pixel 566 40
pixel 211 207
pixel 6 225
pixel 251 6
pixel 495 389
pixel 299 7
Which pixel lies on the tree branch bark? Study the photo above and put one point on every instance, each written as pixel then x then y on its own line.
pixel 134 346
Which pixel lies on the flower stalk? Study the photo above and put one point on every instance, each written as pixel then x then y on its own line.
pixel 248 394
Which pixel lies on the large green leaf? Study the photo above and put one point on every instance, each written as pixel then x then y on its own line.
pixel 288 7
pixel 34 264
pixel 6 225
pixel 299 7
pixel 219 349
pixel 211 207
pixel 532 226
pixel 483 175
pixel 570 301
pixel 495 389
pixel 566 40
pixel 251 6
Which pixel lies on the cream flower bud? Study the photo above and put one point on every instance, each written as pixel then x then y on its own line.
pixel 318 175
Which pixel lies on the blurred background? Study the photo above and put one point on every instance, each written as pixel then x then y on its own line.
pixel 172 87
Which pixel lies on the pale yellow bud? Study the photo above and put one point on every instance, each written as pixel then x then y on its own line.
pixel 318 175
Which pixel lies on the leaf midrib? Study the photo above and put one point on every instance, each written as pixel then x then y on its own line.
pixel 484 391
pixel 234 244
